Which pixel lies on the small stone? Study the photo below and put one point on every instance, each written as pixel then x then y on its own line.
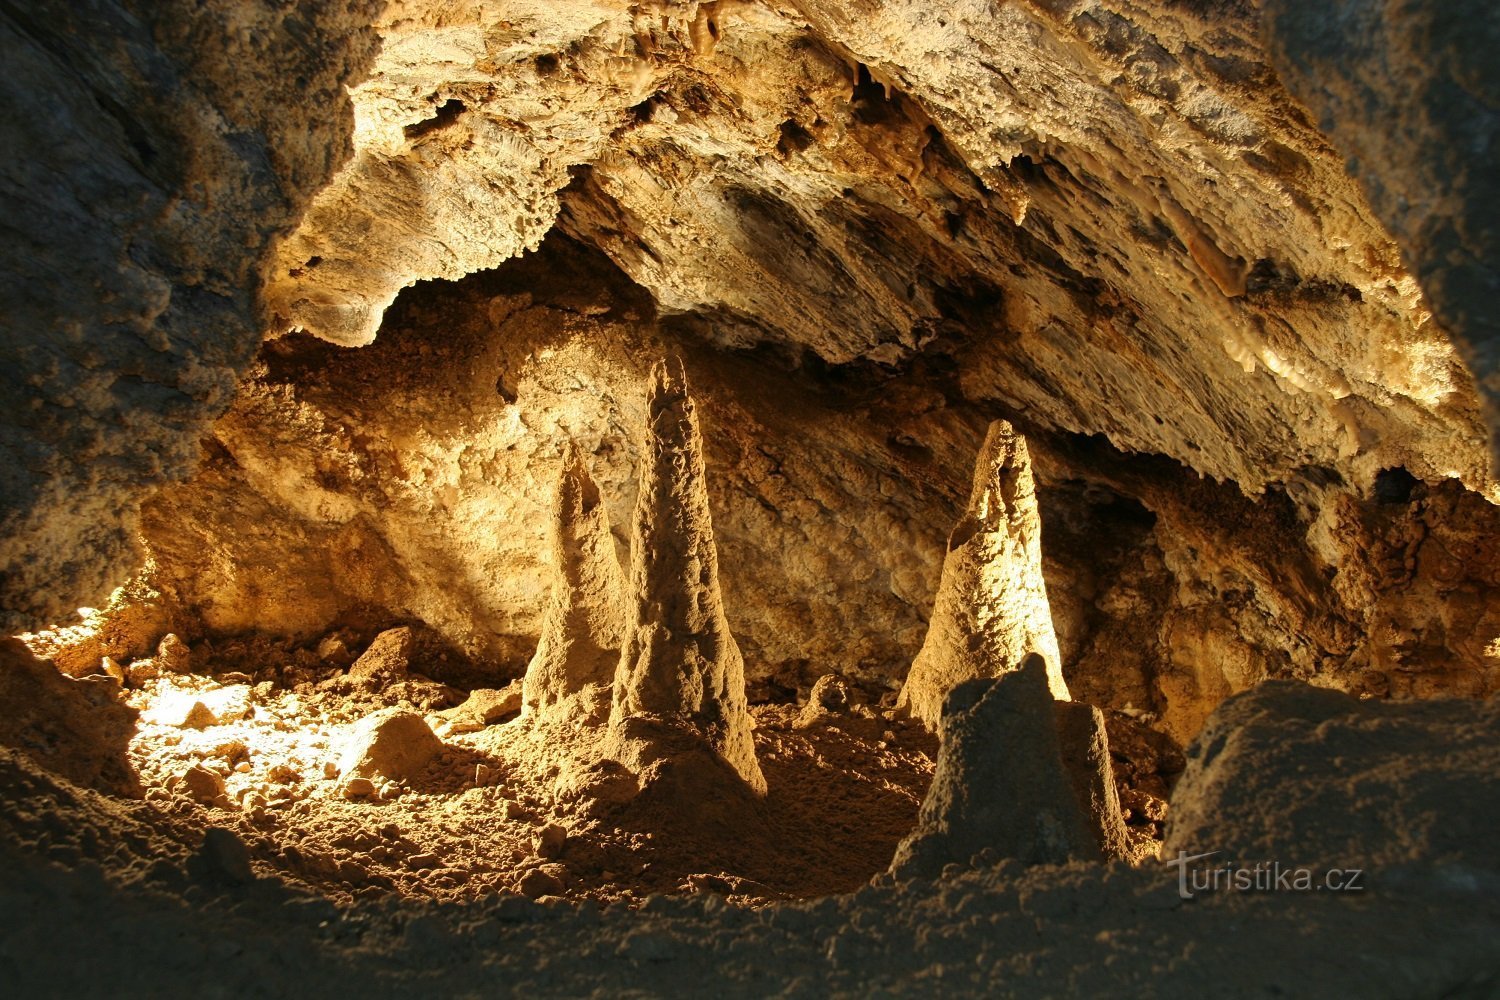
pixel 204 786
pixel 283 774
pixel 330 770
pixel 223 857
pixel 173 655
pixel 113 669
pixel 421 862
pixel 243 767
pixel 332 647
pixel 198 716
pixel 550 842
pixel 1144 804
pixel 141 671
pixel 537 883
pixel 513 809
pixel 359 788
pixel 483 775
pixel 484 707
pixel 392 744
pixel 388 657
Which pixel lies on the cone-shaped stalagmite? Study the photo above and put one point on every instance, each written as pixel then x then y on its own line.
pixel 680 670
pixel 574 665
pixel 991 606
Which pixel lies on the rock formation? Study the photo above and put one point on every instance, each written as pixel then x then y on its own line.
pixel 1302 775
pixel 679 669
pixel 1001 785
pixel 579 650
pixel 991 606
pixel 181 145
pixel 1084 745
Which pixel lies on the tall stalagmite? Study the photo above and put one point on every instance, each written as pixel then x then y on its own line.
pixel 991 607
pixel 575 659
pixel 680 671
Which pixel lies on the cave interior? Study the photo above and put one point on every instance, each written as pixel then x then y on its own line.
pixel 780 497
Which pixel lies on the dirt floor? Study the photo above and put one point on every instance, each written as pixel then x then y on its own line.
pixel 243 853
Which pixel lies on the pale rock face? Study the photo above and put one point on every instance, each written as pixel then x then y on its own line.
pixel 991 608
pixel 579 649
pixel 391 743
pixel 679 664
pixel 1417 147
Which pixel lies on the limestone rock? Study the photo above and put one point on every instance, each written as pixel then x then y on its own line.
pixel 829 696
pixel 388 658
pixel 1084 744
pixel 1000 783
pixel 173 655
pixel 579 648
pixel 392 744
pixel 1410 143
pixel 991 606
pixel 484 707
pixel 223 858
pixel 75 728
pixel 679 665
pixel 184 145
pixel 205 786
pixel 1307 776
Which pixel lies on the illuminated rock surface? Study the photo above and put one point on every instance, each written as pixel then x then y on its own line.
pixel 991 607
pixel 679 666
pixel 579 649
pixel 1229 268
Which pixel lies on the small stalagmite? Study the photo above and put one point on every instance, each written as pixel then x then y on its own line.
pixel 991 606
pixel 574 665
pixel 680 679
pixel 1002 786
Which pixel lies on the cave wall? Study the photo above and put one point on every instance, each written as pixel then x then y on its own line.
pixel 870 227
pixel 156 152
pixel 410 480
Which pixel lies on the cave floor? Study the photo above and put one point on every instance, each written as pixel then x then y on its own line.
pixel 88 912
pixel 473 822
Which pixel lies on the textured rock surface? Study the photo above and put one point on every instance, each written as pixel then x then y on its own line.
pixel 1307 776
pixel 579 648
pixel 1000 786
pixel 1119 192
pixel 1408 93
pixel 991 607
pixel 180 141
pixel 1083 743
pixel 874 232
pixel 392 744
pixel 74 728
pixel 679 665
pixel 348 480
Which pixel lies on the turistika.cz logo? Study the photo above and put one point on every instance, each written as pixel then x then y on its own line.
pixel 1263 876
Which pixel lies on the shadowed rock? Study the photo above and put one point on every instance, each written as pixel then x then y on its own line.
pixel 1084 745
pixel 991 606
pixel 579 650
pixel 1000 784
pixel 679 669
